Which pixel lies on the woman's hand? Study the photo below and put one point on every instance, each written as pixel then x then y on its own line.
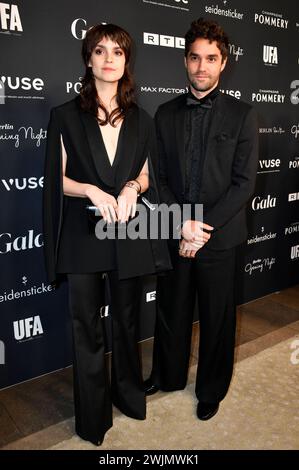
pixel 126 204
pixel 106 203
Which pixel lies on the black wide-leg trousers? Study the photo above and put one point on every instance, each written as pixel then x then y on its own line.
pixel 93 395
pixel 211 276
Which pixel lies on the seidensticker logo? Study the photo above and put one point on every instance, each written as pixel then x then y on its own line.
pixel 27 328
pixel 10 18
pixel 215 10
pixel 262 238
pixel 154 39
pixel 270 55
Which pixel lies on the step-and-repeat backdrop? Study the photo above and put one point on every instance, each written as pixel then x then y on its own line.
pixel 40 67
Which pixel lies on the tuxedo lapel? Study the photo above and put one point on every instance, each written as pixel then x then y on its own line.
pixel 180 137
pixel 97 149
pixel 217 120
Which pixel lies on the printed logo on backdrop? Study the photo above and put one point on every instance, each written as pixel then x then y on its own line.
pixel 163 40
pixel 21 135
pixel 236 51
pixel 270 55
pixel 292 197
pixel 10 19
pixel 236 93
pixel 150 296
pixel 295 252
pixel 223 10
pixel 11 87
pixel 25 289
pixel 261 237
pixel 79 28
pixel 21 184
pixel 177 4
pixel 263 202
pixel 163 90
pixel 294 163
pixel 259 265
pixel 72 87
pixel 271 165
pixel 28 328
pixel 275 130
pixel 10 243
pixel 295 130
pixel 268 96
pixel 267 18
pixel 2 353
pixel 295 94
pixel 293 228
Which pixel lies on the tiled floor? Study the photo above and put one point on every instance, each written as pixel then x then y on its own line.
pixel 28 410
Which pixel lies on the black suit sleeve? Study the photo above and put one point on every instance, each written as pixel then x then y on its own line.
pixel 243 175
pixel 52 195
pixel 166 194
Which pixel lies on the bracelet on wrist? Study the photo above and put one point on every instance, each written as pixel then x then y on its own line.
pixel 135 185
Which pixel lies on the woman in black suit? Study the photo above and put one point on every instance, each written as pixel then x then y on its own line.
pixel 99 151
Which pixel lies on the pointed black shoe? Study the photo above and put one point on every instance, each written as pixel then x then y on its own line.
pixel 206 411
pixel 149 387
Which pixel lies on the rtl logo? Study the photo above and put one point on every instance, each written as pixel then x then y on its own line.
pixel 10 17
pixel 27 328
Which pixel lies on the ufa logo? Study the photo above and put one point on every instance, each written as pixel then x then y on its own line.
pixel 270 55
pixel 295 252
pixel 27 328
pixel 10 17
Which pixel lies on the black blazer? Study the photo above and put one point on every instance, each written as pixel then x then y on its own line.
pixel 70 243
pixel 229 169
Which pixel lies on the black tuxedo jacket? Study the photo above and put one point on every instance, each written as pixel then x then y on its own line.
pixel 70 242
pixel 229 169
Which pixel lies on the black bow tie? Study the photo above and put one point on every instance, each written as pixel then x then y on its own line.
pixel 203 103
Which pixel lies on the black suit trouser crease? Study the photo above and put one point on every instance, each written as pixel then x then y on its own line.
pixel 211 277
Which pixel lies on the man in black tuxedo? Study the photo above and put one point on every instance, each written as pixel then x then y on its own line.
pixel 208 153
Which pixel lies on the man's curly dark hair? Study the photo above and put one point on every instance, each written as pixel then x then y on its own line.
pixel 210 30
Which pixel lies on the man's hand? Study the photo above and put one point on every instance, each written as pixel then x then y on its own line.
pixel 193 232
pixel 187 249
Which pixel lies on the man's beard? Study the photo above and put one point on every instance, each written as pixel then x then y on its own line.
pixel 204 87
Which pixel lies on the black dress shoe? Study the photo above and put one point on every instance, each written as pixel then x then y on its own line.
pixel 206 411
pixel 149 387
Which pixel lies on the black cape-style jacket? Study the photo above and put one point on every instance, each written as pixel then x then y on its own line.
pixel 70 243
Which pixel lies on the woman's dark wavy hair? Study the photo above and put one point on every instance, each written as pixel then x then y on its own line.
pixel 90 101
pixel 210 30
